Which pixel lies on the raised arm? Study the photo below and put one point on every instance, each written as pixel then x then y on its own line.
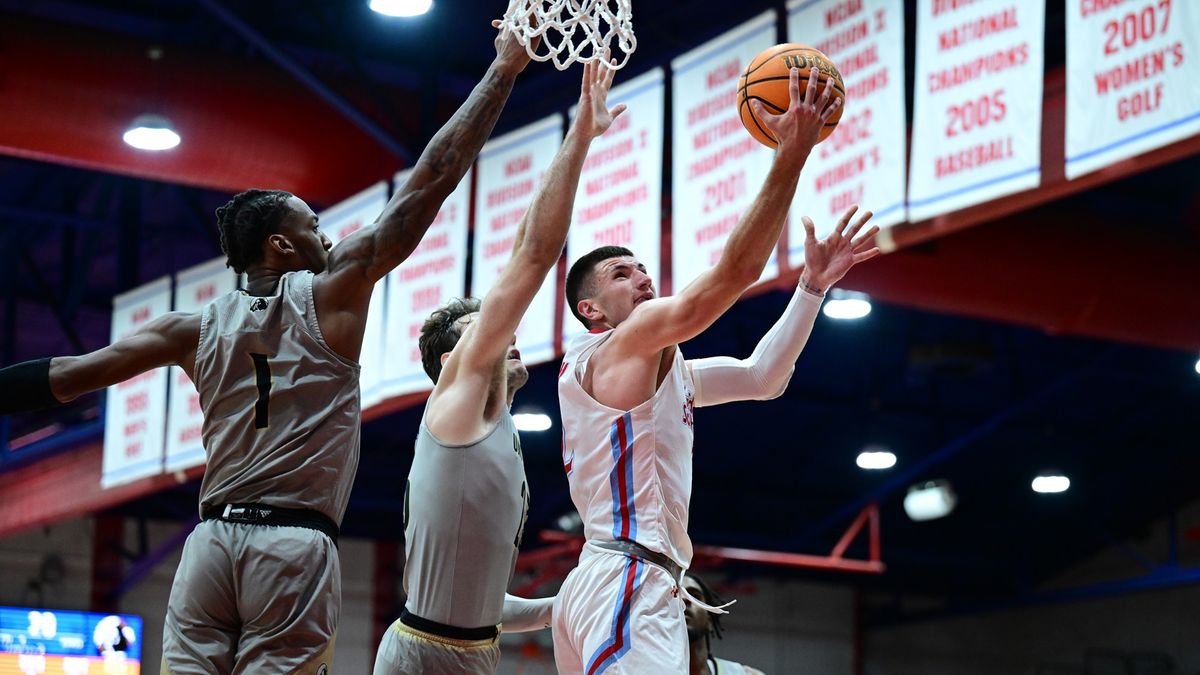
pixel 766 373
pixel 663 322
pixel 169 340
pixel 363 258
pixel 542 234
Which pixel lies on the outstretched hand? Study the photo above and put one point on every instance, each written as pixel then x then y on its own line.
pixel 827 260
pixel 594 117
pixel 510 53
pixel 797 128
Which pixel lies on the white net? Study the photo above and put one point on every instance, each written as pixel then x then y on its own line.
pixel 573 30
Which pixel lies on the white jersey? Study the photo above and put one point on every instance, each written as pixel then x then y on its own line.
pixel 630 472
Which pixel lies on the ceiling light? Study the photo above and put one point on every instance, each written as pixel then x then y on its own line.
pixel 531 421
pixel 151 132
pixel 401 7
pixel 1198 366
pixel 847 305
pixel 1049 483
pixel 929 501
pixel 875 457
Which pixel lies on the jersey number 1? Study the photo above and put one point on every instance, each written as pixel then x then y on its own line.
pixel 262 376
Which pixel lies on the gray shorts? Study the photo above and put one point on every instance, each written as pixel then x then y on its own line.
pixel 405 650
pixel 253 599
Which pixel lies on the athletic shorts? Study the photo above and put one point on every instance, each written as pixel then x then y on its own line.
pixel 618 614
pixel 253 599
pixel 405 650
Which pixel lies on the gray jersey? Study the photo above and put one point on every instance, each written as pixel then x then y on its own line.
pixel 281 409
pixel 464 514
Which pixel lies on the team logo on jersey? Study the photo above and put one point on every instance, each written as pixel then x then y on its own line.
pixel 258 304
pixel 689 407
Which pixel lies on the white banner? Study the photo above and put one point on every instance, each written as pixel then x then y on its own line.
pixel 977 112
pixel 135 411
pixel 510 170
pixel 862 161
pixel 434 273
pixel 195 287
pixel 341 221
pixel 717 166
pixel 619 201
pixel 1130 87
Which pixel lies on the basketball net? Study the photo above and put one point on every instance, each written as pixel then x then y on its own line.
pixel 572 30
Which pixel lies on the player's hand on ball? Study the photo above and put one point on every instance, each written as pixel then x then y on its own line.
pixel 798 128
pixel 827 260
pixel 594 117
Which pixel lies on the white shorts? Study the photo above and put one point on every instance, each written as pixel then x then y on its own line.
pixel 618 614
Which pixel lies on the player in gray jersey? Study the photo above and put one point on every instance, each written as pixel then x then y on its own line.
pixel 258 589
pixel 466 499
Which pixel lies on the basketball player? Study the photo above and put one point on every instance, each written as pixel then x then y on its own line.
pixel 701 627
pixel 467 499
pixel 627 394
pixel 258 589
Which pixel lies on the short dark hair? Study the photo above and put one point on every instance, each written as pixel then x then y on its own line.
pixel 580 283
pixel 441 332
pixel 710 598
pixel 246 221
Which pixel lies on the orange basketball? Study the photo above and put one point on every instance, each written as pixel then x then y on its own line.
pixel 766 79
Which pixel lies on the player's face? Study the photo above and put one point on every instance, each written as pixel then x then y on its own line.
pixel 621 285
pixel 514 367
pixel 309 243
pixel 695 617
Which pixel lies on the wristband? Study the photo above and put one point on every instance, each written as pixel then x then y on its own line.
pixel 25 387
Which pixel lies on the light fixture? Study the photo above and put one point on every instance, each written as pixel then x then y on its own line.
pixel 531 421
pixel 151 132
pixel 1050 483
pixel 847 305
pixel 401 7
pixel 876 457
pixel 930 500
pixel 1198 366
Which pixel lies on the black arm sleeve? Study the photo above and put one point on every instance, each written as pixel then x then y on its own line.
pixel 25 387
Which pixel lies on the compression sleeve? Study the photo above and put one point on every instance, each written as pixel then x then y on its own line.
pixel 25 387
pixel 766 373
pixel 521 615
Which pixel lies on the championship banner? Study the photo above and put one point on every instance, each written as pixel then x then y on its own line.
pixel 510 170
pixel 434 273
pixel 977 112
pixel 195 287
pixel 341 221
pixel 135 411
pixel 717 167
pixel 1130 86
pixel 619 201
pixel 862 161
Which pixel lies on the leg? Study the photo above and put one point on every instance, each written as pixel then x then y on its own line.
pixel 200 633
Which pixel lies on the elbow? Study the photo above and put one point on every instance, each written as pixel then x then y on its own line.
pixel 773 388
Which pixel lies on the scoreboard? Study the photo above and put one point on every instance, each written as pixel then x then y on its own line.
pixel 54 642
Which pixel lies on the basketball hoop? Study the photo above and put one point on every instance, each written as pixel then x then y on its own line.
pixel 572 30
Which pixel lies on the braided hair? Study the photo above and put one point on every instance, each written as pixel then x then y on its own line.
pixel 710 598
pixel 246 221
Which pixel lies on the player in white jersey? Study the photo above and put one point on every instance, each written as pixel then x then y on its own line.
pixel 258 586
pixel 627 394
pixel 702 626
pixel 467 499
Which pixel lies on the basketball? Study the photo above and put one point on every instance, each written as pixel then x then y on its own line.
pixel 766 79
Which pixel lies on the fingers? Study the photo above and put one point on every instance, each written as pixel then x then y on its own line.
pixel 794 85
pixel 864 239
pixel 495 23
pixel 760 111
pixel 830 109
pixel 810 230
pixel 616 112
pixel 862 220
pixel 866 255
pixel 841 223
pixel 810 93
